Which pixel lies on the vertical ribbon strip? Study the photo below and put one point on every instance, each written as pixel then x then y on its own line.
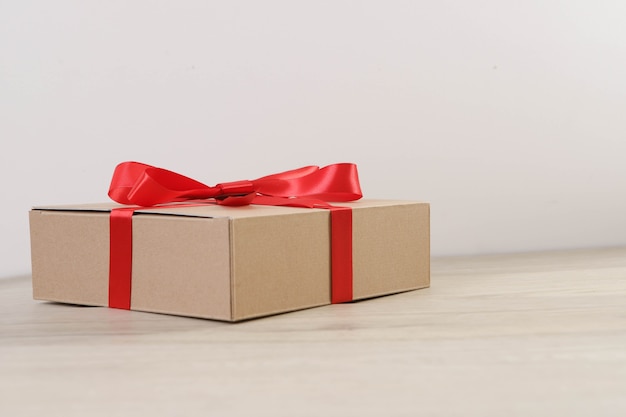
pixel 341 254
pixel 120 257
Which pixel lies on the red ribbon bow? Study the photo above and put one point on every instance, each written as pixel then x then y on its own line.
pixel 144 185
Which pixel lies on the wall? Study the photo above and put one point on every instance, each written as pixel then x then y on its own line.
pixel 507 116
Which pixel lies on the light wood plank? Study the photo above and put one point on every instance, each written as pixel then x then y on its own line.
pixel 539 334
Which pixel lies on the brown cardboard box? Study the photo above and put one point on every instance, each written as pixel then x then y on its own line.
pixel 228 263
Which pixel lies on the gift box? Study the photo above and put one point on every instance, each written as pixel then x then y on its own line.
pixel 228 262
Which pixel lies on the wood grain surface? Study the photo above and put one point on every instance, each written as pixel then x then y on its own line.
pixel 540 334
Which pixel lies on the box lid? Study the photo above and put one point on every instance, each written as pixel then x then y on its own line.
pixel 212 210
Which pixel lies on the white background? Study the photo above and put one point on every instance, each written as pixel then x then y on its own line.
pixel 508 116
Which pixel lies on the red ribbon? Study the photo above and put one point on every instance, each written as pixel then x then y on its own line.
pixel 145 185
pixel 120 257
pixel 311 187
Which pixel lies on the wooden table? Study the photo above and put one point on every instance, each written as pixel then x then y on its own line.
pixel 512 335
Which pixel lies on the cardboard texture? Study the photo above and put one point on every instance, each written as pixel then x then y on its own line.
pixel 228 263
